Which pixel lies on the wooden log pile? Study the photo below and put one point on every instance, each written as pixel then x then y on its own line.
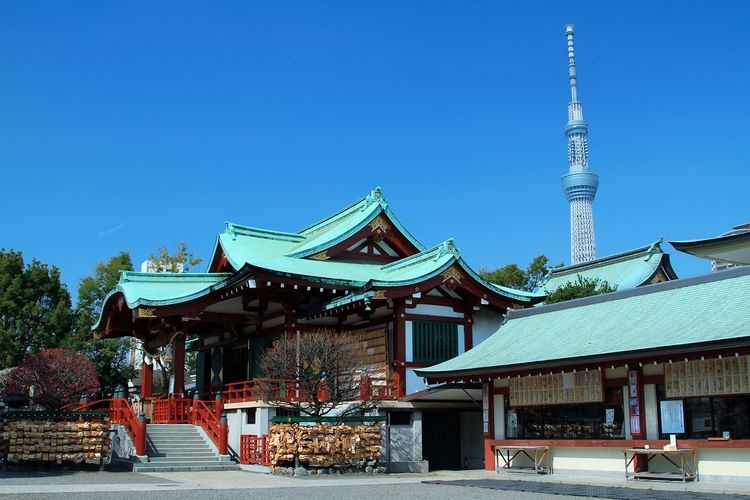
pixel 55 441
pixel 323 445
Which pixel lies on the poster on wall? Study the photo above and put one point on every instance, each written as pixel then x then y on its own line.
pixel 635 424
pixel 672 416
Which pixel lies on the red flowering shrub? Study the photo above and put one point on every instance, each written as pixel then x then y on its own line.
pixel 58 376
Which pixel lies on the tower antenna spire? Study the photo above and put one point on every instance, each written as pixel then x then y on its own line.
pixel 579 184
pixel 571 62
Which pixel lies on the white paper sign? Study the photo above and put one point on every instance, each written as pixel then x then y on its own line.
pixel 672 417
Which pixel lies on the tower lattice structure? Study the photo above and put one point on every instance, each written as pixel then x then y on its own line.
pixel 579 184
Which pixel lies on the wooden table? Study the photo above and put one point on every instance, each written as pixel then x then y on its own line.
pixel 506 454
pixel 684 459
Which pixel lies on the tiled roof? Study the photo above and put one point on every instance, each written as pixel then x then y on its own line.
pixel 680 313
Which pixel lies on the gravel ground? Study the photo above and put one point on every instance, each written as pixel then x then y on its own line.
pixel 413 491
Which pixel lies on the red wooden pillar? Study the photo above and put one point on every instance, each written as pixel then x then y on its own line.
pixel 147 380
pixel 637 413
pixel 399 344
pixel 488 418
pixel 178 365
pixel 469 332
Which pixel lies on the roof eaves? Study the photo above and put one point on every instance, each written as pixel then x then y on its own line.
pixel 632 292
pixel 646 251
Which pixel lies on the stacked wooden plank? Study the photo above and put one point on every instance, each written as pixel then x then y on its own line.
pixel 55 441
pixel 323 445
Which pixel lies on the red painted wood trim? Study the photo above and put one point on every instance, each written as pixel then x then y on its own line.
pixel 653 379
pixel 399 343
pixel 622 443
pixel 500 390
pixel 425 317
pixel 615 382
pixel 468 334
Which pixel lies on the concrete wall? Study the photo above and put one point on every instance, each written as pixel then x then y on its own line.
pixel 238 423
pixel 486 322
pixel 405 446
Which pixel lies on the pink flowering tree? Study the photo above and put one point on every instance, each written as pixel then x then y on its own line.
pixel 57 376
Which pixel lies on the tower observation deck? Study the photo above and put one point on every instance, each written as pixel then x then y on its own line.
pixel 579 184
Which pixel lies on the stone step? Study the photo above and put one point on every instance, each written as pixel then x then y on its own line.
pixel 175 440
pixel 178 458
pixel 162 467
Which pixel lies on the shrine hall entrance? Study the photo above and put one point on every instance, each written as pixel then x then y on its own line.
pixel 452 439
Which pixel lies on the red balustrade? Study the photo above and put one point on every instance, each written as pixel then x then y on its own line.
pixel 254 449
pixel 264 389
pixel 172 411
pixel 207 414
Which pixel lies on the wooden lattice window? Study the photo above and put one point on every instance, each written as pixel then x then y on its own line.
pixel 434 341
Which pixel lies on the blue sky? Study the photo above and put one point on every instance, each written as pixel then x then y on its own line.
pixel 128 125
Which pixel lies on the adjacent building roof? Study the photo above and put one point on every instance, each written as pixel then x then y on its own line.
pixel 631 269
pixel 686 315
pixel 732 247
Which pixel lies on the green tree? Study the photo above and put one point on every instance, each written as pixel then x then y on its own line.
pixel 513 276
pixel 109 356
pixel 34 308
pixel 582 287
pixel 179 262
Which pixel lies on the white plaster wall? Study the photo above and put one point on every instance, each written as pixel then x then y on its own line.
pixel 588 460
pixel 499 420
pixel 650 407
pixel 461 346
pixel 625 411
pixel 723 464
pixel 413 382
pixel 486 322
pixel 430 310
pixel 409 333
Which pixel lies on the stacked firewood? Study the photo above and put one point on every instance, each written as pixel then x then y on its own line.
pixel 323 445
pixel 51 441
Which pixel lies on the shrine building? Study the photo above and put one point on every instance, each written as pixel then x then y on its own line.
pixel 357 271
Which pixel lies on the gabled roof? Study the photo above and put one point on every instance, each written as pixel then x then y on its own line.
pixel 624 270
pixel 689 314
pixel 246 245
pixel 733 246
pixel 162 289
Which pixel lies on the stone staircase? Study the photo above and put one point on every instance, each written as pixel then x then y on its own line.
pixel 178 448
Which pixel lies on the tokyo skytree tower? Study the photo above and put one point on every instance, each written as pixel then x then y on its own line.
pixel 580 184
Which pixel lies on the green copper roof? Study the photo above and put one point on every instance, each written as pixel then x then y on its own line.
pixel 733 246
pixel 711 308
pixel 162 289
pixel 158 289
pixel 242 244
pixel 252 250
pixel 624 270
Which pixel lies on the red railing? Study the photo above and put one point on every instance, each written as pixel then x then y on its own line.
pixel 376 388
pixel 260 389
pixel 172 411
pixel 380 388
pixel 207 414
pixel 254 449
pixel 120 412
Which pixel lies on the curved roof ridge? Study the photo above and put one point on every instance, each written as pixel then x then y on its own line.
pixel 647 250
pixel 374 196
pixel 127 276
pixel 446 247
pixel 234 229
